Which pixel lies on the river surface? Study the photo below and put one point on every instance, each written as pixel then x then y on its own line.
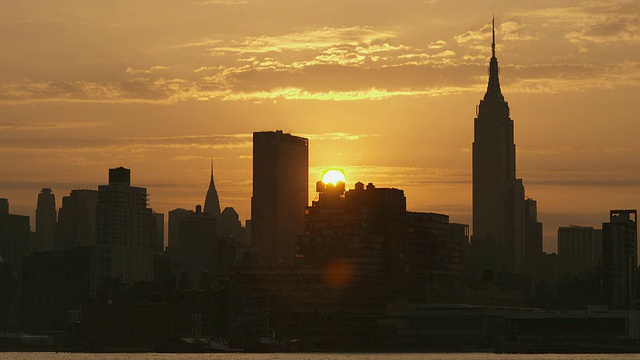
pixel 315 356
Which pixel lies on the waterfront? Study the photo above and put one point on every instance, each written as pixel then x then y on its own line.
pixel 315 356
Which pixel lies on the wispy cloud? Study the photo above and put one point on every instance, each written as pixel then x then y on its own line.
pixel 8 125
pixel 336 136
pixel 316 39
pixel 128 144
pixel 133 71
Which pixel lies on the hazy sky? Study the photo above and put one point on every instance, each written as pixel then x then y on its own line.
pixel 385 89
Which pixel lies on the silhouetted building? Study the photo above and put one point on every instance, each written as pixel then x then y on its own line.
pixel 15 233
pixel 532 237
pixel 432 262
pixel 459 233
pixel 349 263
pixel 123 248
pixel 229 224
pixel 157 232
pixel 619 259
pixel 498 196
pixel 360 249
pixel 53 284
pixel 46 216
pixel 212 202
pixel 142 319
pixel 280 193
pixel 579 249
pixel 4 206
pixel 77 220
pixel 364 228
pixel 192 244
pixel 8 291
pixel 232 242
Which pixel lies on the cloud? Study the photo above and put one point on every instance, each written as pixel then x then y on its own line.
pixel 592 21
pixel 506 31
pixel 612 31
pixel 9 125
pixel 308 40
pixel 129 144
pixel 133 71
pixel 336 136
pixel 437 44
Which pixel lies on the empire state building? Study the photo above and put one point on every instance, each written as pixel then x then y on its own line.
pixel 498 196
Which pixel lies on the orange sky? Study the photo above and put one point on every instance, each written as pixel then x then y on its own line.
pixel 385 89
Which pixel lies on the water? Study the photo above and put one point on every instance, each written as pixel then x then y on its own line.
pixel 353 356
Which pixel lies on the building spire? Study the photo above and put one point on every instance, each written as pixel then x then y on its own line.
pixel 211 201
pixel 493 88
pixel 493 36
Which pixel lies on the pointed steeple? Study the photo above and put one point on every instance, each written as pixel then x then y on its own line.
pixel 493 89
pixel 212 202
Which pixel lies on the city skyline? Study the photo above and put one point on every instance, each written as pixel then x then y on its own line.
pixel 161 89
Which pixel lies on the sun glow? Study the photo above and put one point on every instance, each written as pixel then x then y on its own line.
pixel 333 176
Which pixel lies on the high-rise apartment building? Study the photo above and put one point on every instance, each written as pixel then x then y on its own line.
pixel 498 196
pixel 280 193
pixel 579 249
pixel 46 217
pixel 620 259
pixel 124 248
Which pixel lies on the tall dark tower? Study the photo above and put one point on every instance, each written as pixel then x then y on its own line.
pixel 211 201
pixel 280 193
pixel 498 197
pixel 46 216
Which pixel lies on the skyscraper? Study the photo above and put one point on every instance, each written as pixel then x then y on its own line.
pixel 124 248
pixel 46 219
pixel 280 192
pixel 211 201
pixel 498 196
pixel 620 259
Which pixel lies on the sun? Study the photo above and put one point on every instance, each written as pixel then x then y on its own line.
pixel 333 176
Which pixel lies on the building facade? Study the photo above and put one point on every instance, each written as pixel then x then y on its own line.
pixel 280 193
pixel 498 196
